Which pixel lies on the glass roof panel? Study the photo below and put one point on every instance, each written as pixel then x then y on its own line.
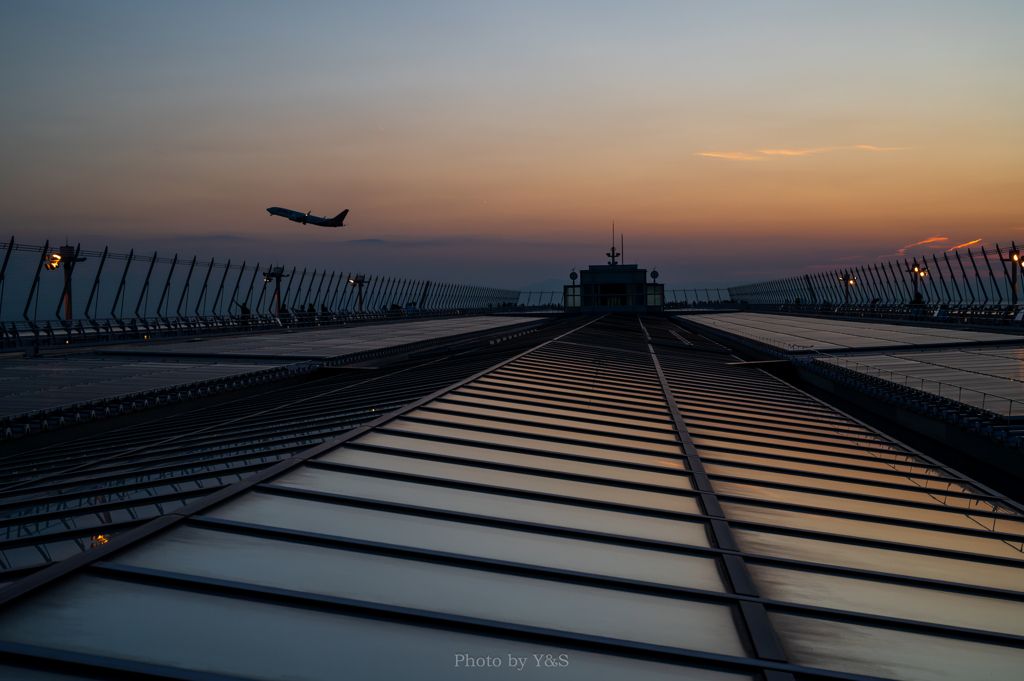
pixel 880 530
pixel 489 454
pixel 668 500
pixel 670 447
pixel 876 597
pixel 112 618
pixel 537 444
pixel 497 505
pixel 473 539
pixel 893 561
pixel 890 653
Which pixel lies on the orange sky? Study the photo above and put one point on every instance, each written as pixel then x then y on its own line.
pixel 728 142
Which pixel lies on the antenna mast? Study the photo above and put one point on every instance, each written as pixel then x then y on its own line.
pixel 612 254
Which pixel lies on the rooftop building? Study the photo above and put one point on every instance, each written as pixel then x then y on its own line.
pixel 599 497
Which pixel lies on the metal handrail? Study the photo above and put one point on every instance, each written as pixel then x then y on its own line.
pixel 986 397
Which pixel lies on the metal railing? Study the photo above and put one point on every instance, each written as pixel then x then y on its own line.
pixel 985 401
pixel 100 285
pixel 930 314
pixel 976 281
pixel 990 402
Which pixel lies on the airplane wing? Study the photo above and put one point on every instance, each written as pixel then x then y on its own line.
pixel 319 222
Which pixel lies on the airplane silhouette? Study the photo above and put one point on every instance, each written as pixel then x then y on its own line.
pixel 305 218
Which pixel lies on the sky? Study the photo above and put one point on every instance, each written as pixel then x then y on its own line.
pixel 495 143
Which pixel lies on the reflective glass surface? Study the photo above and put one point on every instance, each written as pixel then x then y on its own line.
pixel 576 449
pixel 934 495
pixel 586 437
pixel 222 635
pixel 592 422
pixel 667 501
pixel 890 653
pixel 890 600
pixel 880 471
pixel 880 530
pixel 952 518
pixel 471 539
pixel 437 587
pixel 492 505
pixel 892 561
pixel 591 411
pixel 479 453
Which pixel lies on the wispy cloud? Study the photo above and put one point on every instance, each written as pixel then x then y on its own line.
pixel 745 156
pixel 903 251
pixel 735 156
pixel 807 152
pixel 962 245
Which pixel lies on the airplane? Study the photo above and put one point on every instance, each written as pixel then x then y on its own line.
pixel 295 216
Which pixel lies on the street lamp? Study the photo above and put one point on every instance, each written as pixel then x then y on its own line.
pixel 917 272
pixel 358 281
pixel 1014 259
pixel 848 281
pixel 275 274
pixel 67 256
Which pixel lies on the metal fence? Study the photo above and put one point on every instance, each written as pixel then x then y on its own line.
pixel 672 296
pixel 60 295
pixel 977 279
pixel 119 286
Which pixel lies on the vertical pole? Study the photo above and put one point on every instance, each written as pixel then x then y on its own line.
pixel 424 294
pixel 952 278
pixel 883 275
pixel 263 292
pixel 184 289
pixel 942 279
pixel 298 290
pixel 3 270
pixel 252 282
pixel 65 296
pixel 220 289
pixel 992 275
pixel 1011 280
pixel 368 298
pixel 202 291
pixel 981 285
pixel 316 298
pixel 35 280
pixel 902 279
pixel 145 286
pixel 238 283
pixel 309 291
pixel 344 289
pixel 167 286
pixel 334 296
pixel 120 287
pixel 287 290
pixel 967 280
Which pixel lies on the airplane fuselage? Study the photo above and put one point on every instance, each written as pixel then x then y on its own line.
pixel 306 218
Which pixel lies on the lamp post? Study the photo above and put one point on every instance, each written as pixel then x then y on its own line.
pixel 1015 261
pixel 359 280
pixel 848 281
pixel 275 274
pixel 66 256
pixel 917 272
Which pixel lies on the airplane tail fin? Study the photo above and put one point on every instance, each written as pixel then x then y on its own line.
pixel 339 219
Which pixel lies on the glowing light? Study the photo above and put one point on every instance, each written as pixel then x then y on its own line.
pixel 821 150
pixel 735 156
pixel 962 245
